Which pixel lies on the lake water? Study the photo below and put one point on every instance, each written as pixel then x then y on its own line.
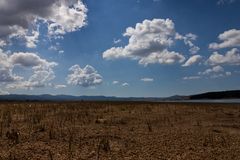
pixel 212 101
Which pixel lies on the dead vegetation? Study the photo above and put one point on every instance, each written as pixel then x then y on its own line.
pixel 118 130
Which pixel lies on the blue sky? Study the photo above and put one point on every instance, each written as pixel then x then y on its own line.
pixel 150 48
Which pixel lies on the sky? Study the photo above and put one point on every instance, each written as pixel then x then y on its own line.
pixel 124 48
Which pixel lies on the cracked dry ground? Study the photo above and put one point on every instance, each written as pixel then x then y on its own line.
pixel 118 130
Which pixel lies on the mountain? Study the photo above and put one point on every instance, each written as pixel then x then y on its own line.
pixel 235 94
pixel 176 98
pixel 48 97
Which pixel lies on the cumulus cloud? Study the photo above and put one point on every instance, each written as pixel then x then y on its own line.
pixel 42 74
pixel 191 78
pixel 215 69
pixel 150 42
pixel 39 79
pixel 221 2
pixel 53 48
pixel 116 41
pixel 20 19
pixel 221 75
pixel 2 43
pixel 232 57
pixel 27 59
pixel 56 48
pixel 192 60
pixel 61 51
pixel 42 70
pixel 147 79
pixel 66 16
pixel 2 92
pixel 230 38
pixel 32 39
pixel 188 40
pixel 6 69
pixel 115 82
pixel 228 73
pixel 164 57
pixel 125 84
pixel 60 86
pixel 215 72
pixel 85 77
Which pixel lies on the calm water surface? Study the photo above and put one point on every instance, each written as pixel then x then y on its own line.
pixel 213 101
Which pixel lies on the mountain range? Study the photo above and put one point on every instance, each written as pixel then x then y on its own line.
pixel 233 94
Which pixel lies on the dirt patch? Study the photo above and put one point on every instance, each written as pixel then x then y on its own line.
pixel 118 130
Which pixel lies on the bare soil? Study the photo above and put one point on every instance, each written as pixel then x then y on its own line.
pixel 118 131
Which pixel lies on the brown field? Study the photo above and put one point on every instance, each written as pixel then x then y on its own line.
pixel 118 131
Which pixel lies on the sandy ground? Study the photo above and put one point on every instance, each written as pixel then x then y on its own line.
pixel 118 131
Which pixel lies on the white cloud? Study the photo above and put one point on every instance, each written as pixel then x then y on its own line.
pixel 215 69
pixel 215 72
pixel 115 82
pixel 221 75
pixel 61 51
pixel 221 2
pixel 42 70
pixel 32 40
pixel 39 79
pixel 191 78
pixel 113 53
pixel 6 75
pixel 2 92
pixel 230 38
pixel 2 43
pixel 194 50
pixel 164 57
pixel 27 59
pixel 232 57
pixel 6 69
pixel 56 48
pixel 60 86
pixel 187 39
pixel 150 42
pixel 20 19
pixel 192 60
pixel 125 84
pixel 85 77
pixel 228 73
pixel 147 79
pixel 53 48
pixel 116 41
pixel 66 16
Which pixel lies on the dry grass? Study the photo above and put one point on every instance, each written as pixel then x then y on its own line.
pixel 118 130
